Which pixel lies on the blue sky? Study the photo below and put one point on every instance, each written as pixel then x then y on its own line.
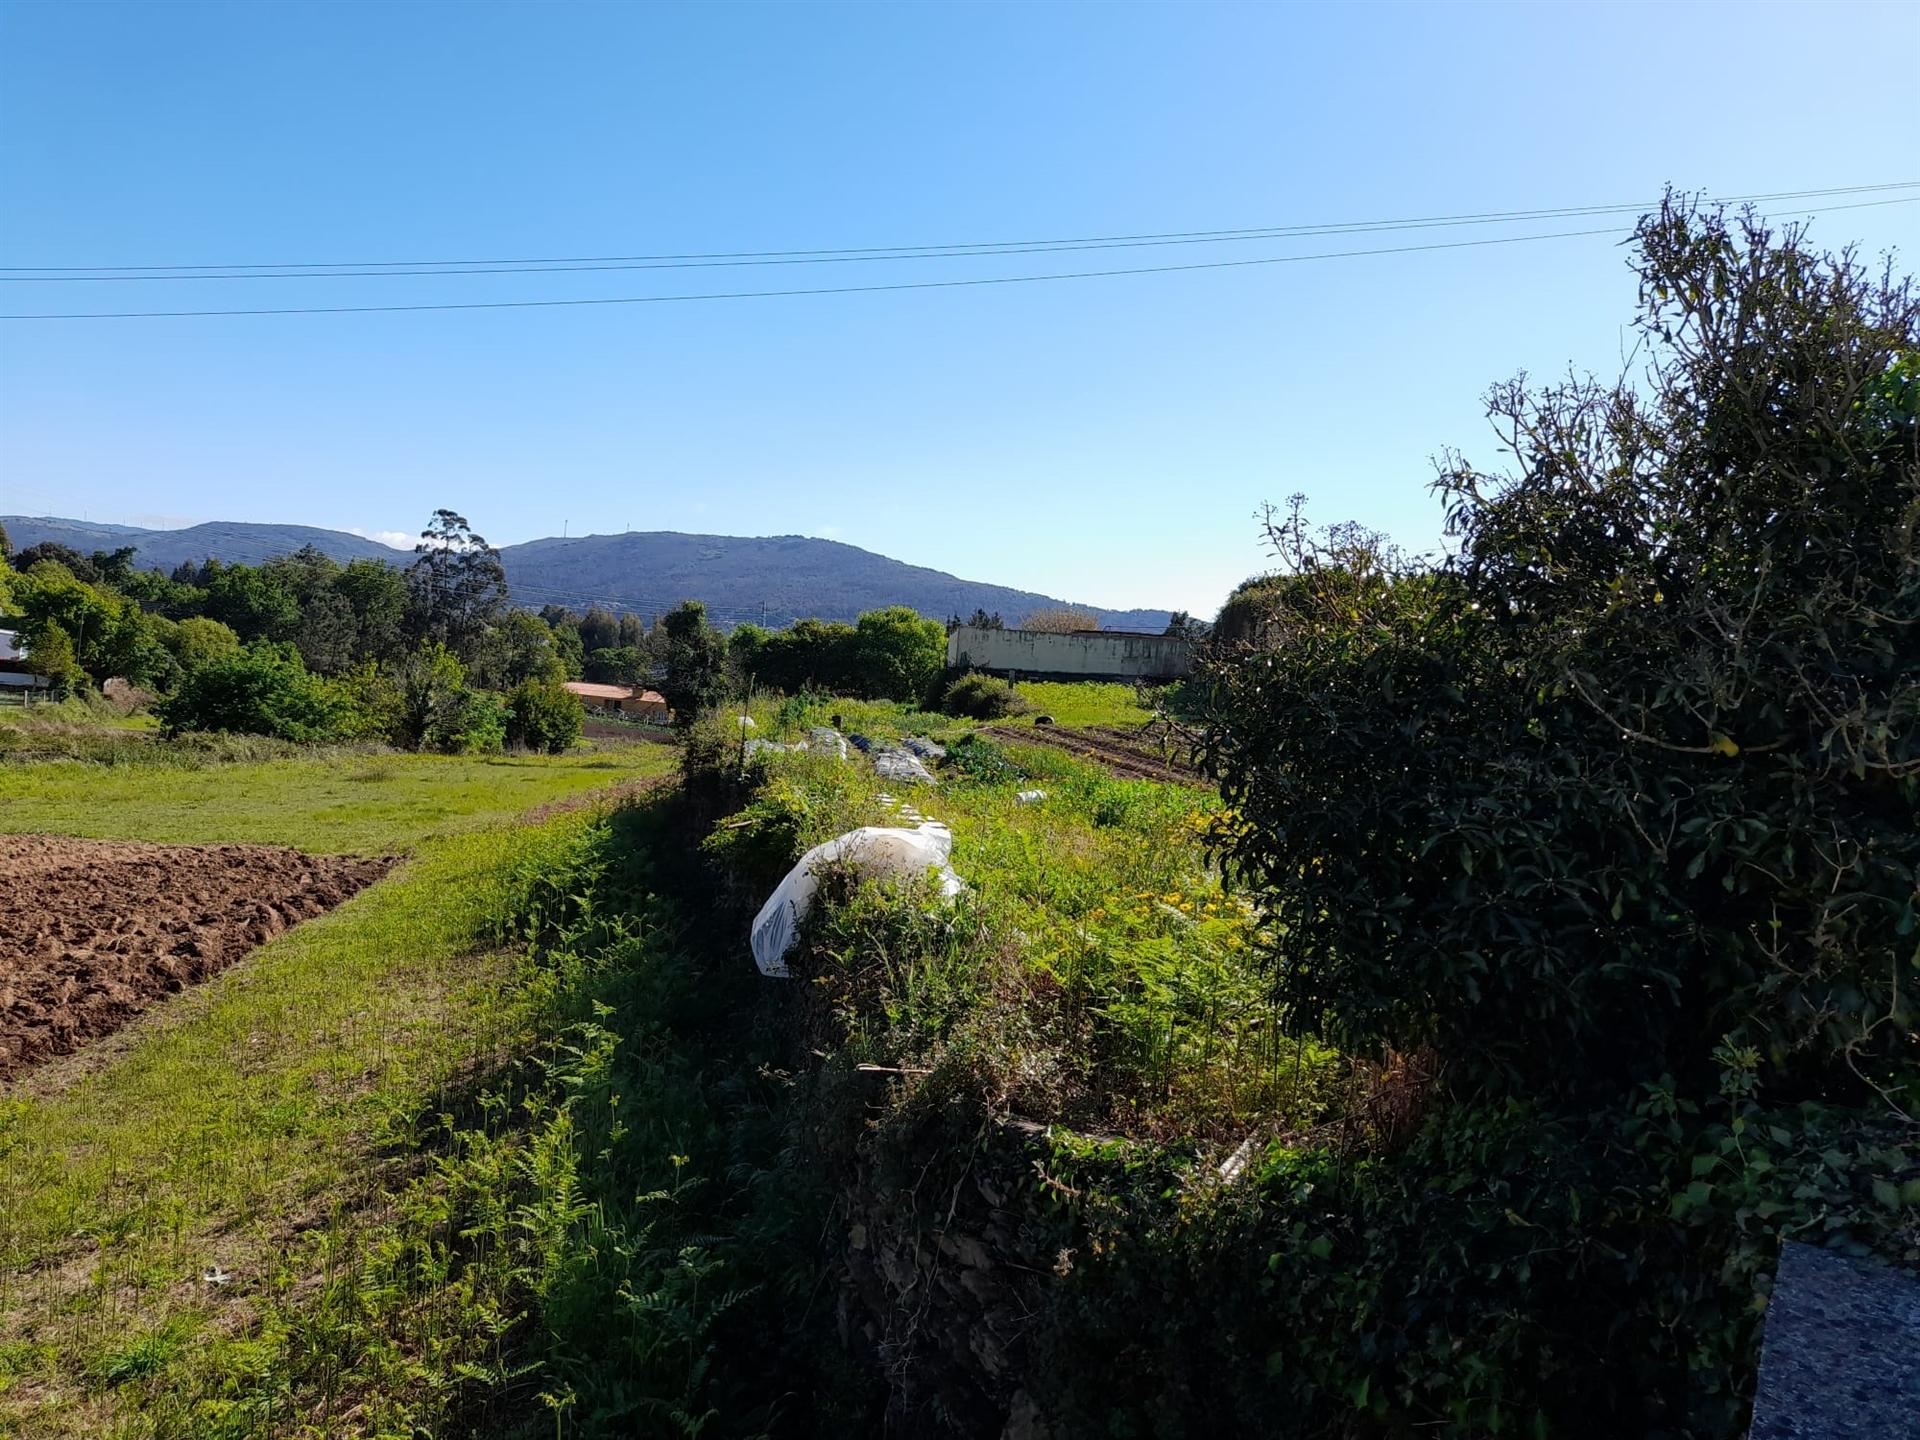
pixel 1105 440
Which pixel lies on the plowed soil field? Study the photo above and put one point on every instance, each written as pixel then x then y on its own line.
pixel 92 932
pixel 1128 753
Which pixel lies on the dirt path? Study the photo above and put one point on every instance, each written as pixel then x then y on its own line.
pixel 92 932
pixel 1130 754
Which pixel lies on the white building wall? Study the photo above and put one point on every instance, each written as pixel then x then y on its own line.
pixel 1082 655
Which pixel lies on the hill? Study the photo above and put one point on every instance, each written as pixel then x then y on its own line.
pixel 777 578
pixel 237 542
pixel 785 576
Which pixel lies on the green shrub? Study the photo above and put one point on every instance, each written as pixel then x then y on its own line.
pixel 982 761
pixel 1639 769
pixel 437 710
pixel 198 641
pixel 262 690
pixel 542 715
pixel 474 724
pixel 981 697
pixel 52 652
pixel 695 674
pixel 897 654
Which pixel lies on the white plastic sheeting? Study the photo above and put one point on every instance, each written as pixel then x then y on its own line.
pixel 1031 797
pixel 756 746
pixel 877 850
pixel 892 763
pixel 923 747
pixel 824 740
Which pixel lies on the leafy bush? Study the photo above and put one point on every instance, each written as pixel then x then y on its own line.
pixel 982 761
pixel 808 655
pixel 262 690
pixel 106 634
pixel 694 670
pixel 198 641
pixel 542 715
pixel 898 655
pixel 891 654
pixel 982 697
pixel 474 724
pixel 1640 769
pixel 437 711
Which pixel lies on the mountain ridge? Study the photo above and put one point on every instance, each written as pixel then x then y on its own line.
pixel 772 578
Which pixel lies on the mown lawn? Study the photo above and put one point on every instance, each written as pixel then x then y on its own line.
pixel 339 803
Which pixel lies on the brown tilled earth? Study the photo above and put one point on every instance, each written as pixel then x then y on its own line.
pixel 92 932
pixel 1131 754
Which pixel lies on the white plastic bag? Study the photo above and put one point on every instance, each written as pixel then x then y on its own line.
pixel 877 850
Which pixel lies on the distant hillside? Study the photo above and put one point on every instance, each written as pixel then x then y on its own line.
pixel 789 575
pixel 782 577
pixel 235 541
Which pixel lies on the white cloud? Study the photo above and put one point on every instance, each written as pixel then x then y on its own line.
pixel 394 539
pixel 828 532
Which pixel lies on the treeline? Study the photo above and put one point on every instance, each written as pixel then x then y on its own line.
pixel 431 656
pixel 304 648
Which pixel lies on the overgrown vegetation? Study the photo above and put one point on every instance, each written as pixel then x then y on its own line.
pixel 1592 850
pixel 890 654
pixel 1611 823
pixel 981 697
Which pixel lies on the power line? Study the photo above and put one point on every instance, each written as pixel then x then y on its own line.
pixel 960 247
pixel 771 294
pixel 74 275
pixel 863 289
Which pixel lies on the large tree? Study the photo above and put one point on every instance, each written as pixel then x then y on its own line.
pixel 456 585
pixel 694 674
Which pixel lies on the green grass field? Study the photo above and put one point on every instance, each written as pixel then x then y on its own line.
pixel 1080 704
pixel 1073 705
pixel 212 1133
pixel 344 803
pixel 173 1203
